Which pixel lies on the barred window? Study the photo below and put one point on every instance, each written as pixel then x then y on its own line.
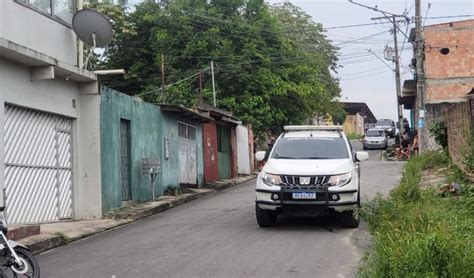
pixel 186 131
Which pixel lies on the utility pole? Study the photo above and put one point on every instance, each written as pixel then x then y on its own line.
pixel 200 99
pixel 420 78
pixel 213 83
pixel 162 75
pixel 397 79
pixel 393 19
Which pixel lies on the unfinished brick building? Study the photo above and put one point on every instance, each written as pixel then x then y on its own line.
pixel 449 72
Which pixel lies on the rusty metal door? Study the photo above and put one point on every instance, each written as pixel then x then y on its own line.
pixel 38 166
pixel 187 154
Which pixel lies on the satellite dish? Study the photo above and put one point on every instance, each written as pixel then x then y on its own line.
pixel 93 28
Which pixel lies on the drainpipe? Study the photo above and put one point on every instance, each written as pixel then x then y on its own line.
pixel 80 44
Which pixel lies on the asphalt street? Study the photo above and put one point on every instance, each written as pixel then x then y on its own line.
pixel 218 236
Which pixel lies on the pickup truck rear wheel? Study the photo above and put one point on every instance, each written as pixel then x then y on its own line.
pixel 349 219
pixel 265 218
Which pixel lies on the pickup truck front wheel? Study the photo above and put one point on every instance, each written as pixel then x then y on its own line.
pixel 265 218
pixel 349 219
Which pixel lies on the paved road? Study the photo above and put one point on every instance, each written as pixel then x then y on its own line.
pixel 218 237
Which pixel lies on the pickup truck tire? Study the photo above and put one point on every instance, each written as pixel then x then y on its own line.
pixel 349 219
pixel 265 218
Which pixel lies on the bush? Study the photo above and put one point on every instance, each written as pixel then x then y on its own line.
pixel 418 233
pixel 440 133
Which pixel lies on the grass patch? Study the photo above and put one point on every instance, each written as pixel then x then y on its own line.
pixel 353 136
pixel 419 233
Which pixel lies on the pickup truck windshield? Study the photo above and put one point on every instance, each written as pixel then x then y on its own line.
pixel 374 133
pixel 310 148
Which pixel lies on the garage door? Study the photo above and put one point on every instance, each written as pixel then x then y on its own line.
pixel 38 166
pixel 187 154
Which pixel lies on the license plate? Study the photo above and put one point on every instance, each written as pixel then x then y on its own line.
pixel 304 195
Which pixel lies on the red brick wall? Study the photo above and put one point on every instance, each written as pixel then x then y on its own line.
pixel 459 38
pixel 459 63
pixel 459 121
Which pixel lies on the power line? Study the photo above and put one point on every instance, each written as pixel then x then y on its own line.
pixel 362 72
pixel 426 15
pixel 362 38
pixel 354 25
pixel 380 59
pixel 365 76
pixel 450 16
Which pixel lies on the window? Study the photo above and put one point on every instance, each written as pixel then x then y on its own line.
pixel 58 9
pixel 186 131
pixel 310 148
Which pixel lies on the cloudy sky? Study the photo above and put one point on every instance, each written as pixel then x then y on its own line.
pixel 364 78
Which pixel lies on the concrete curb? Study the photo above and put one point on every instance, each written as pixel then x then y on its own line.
pixel 44 242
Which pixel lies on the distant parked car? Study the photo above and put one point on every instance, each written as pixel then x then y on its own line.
pixel 387 125
pixel 375 139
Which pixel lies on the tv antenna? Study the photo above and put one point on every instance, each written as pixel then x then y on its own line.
pixel 93 28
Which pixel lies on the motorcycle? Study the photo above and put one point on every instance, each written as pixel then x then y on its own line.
pixel 15 258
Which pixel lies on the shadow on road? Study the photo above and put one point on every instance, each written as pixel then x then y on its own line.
pixel 307 223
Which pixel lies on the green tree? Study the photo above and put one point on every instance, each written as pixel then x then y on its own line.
pixel 272 63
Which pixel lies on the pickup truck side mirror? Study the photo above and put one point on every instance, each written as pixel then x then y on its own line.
pixel 361 156
pixel 260 156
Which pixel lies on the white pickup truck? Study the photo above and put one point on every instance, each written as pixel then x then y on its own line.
pixel 311 170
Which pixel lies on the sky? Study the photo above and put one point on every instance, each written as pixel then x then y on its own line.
pixel 364 78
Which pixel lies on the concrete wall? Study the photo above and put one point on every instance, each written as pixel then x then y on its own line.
pixel 34 30
pixel 150 127
pixel 171 165
pixel 56 96
pixel 146 142
pixel 243 158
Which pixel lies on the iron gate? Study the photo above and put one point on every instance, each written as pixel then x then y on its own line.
pixel 38 166
pixel 187 154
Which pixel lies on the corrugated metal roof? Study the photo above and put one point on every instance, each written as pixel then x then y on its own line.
pixel 185 112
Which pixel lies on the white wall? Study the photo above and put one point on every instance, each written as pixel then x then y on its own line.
pixel 88 190
pixel 56 96
pixel 36 31
pixel 243 156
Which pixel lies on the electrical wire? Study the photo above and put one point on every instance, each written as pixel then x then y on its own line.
pixel 354 25
pixel 362 72
pixel 365 76
pixel 450 16
pixel 426 15
pixel 362 38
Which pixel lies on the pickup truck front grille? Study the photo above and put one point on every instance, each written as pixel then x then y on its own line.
pixel 305 181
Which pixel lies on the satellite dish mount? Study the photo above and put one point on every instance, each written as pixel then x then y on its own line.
pixel 93 28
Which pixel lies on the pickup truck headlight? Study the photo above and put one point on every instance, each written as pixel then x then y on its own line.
pixel 340 180
pixel 271 179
